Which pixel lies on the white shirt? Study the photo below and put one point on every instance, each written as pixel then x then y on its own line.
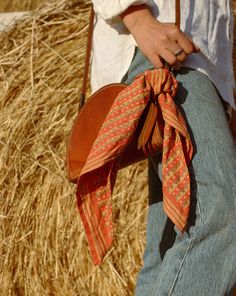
pixel 209 23
pixel 9 18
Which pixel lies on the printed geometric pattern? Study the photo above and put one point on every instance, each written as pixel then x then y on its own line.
pixel 169 133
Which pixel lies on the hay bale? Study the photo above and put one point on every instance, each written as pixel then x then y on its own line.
pixel 43 245
pixel 22 5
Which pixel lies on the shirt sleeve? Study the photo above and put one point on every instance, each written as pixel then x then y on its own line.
pixel 110 10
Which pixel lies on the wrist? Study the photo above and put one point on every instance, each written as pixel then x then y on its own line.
pixel 137 16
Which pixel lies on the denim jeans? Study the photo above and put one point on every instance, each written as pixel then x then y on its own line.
pixel 202 261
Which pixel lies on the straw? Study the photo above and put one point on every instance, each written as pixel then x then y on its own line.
pixel 43 245
pixel 22 5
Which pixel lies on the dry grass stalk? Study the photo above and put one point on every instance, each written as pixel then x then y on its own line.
pixel 20 5
pixel 43 246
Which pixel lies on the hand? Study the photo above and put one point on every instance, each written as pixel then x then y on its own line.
pixel 158 41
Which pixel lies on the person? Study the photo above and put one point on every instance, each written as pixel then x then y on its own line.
pixel 132 36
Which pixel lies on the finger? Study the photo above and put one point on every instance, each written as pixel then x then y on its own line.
pixel 186 43
pixel 177 66
pixel 168 56
pixel 154 58
pixel 156 61
pixel 180 57
pixel 195 47
pixel 178 52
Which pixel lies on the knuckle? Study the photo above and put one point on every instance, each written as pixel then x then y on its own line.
pixel 164 39
pixel 175 31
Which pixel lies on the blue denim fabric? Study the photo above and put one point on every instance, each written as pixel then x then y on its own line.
pixel 202 261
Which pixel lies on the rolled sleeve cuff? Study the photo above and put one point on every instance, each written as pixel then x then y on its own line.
pixel 110 11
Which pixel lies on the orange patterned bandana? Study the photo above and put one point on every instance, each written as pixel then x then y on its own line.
pixel 97 178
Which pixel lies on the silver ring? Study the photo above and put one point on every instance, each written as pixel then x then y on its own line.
pixel 178 52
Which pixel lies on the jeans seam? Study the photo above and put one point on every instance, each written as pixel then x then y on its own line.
pixel 181 264
pixel 200 210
